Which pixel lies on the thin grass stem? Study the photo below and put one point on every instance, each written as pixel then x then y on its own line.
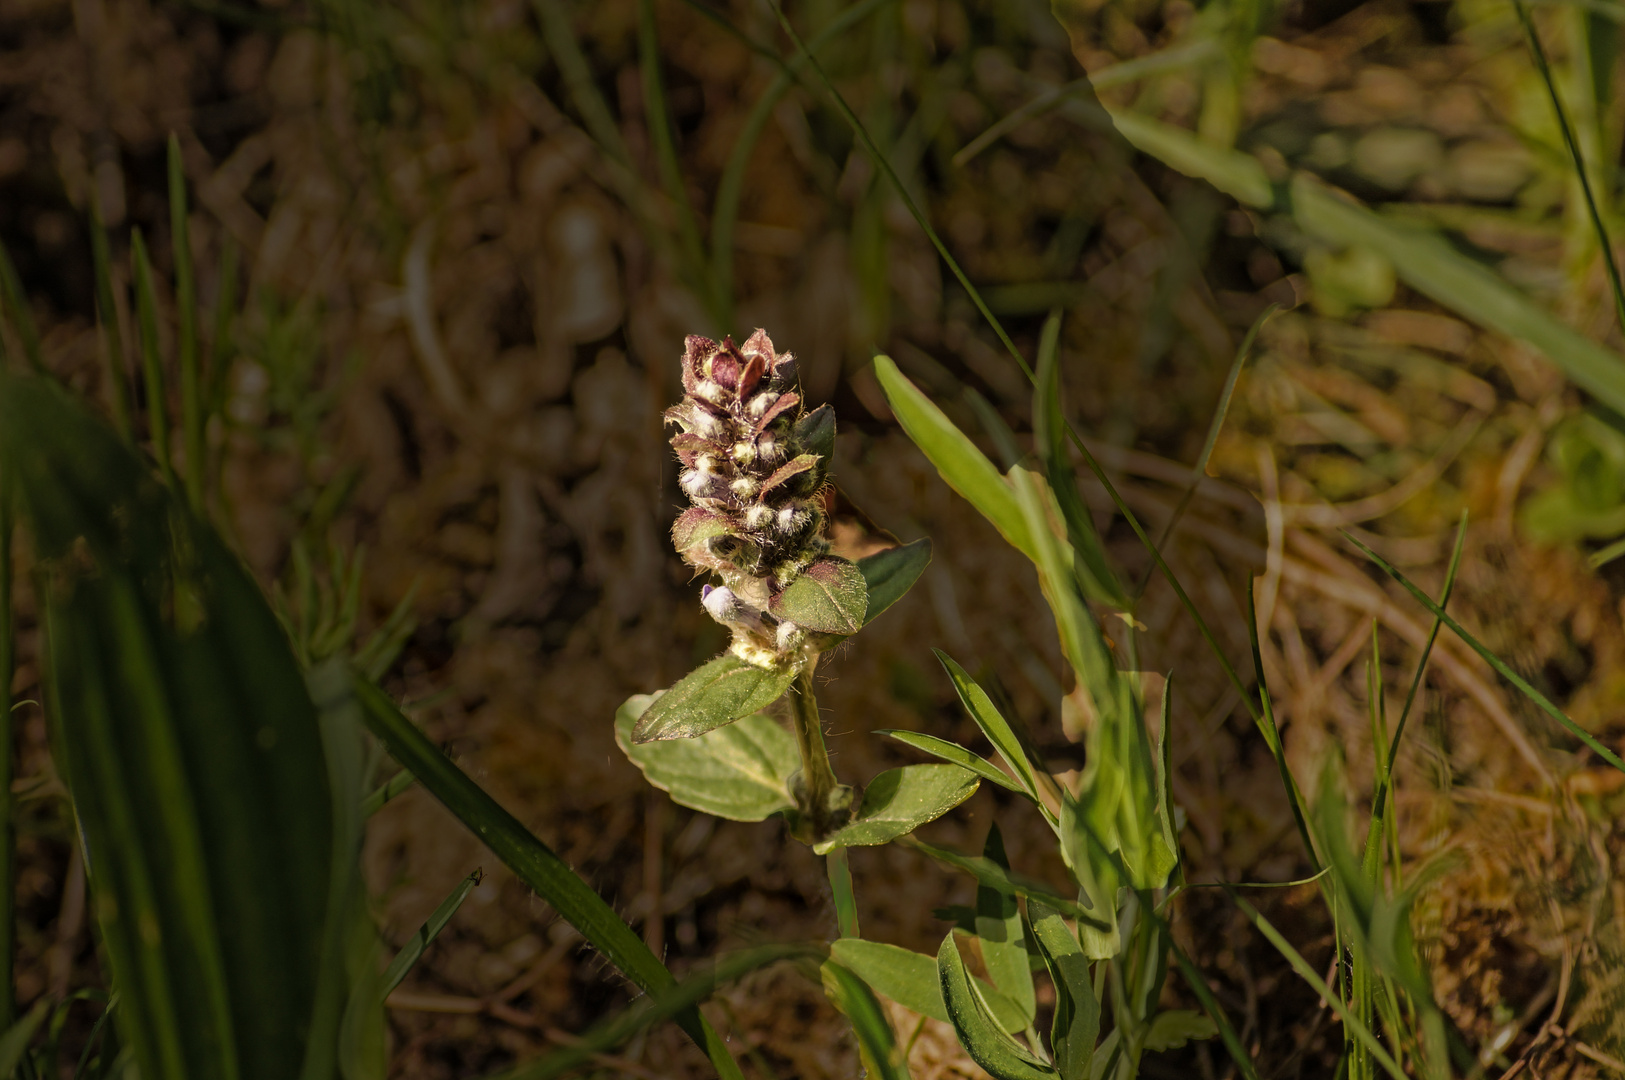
pixel 113 375
pixel 152 369
pixel 8 807
pixel 186 324
pixel 1538 52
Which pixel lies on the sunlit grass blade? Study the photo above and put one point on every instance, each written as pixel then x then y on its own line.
pixel 1351 1022
pixel 113 374
pixel 979 1031
pixel 1000 929
pixel 152 364
pixel 14 309
pixel 413 949
pixel 958 755
pixel 186 330
pixel 534 862
pixel 674 1000
pixel 1541 700
pixel 1537 52
pixel 992 722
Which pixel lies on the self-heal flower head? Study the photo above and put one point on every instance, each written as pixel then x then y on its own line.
pixel 753 462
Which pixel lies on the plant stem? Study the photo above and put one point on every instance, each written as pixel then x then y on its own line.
pixel 818 779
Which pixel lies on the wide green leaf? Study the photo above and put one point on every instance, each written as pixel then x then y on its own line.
pixel 891 573
pixel 189 745
pixel 1076 1025
pixel 1003 936
pixel 710 696
pixel 534 863
pixel 979 1032
pixel 829 597
pixel 954 753
pixel 740 772
pixel 966 469
pixel 910 979
pixel 898 801
pixel 907 977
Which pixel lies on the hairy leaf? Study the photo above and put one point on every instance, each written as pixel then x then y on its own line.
pixel 710 696
pixel 829 598
pixel 898 801
pixel 740 772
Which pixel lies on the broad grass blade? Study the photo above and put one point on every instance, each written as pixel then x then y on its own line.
pixel 951 751
pixel 534 863
pixel 1003 936
pixel 189 745
pixel 1076 1025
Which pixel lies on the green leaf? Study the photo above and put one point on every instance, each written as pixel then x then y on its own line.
pixel 829 598
pixel 14 309
pixel 979 1032
pixel 898 801
pixel 710 696
pixel 413 949
pixel 1172 1029
pixel 815 432
pixel 740 772
pixel 966 469
pixel 1003 937
pixel 1077 1012
pixel 956 754
pixel 891 573
pixel 190 746
pixel 877 1043
pixel 907 977
pixel 534 863
pixel 992 722
pixel 697 525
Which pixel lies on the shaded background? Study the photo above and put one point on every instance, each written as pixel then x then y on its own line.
pixel 464 300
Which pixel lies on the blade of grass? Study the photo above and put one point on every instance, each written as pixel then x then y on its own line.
pixel 1272 736
pixel 534 863
pixel 1351 1022
pixel 1216 425
pixel 675 1000
pixel 839 868
pixel 1210 1005
pixel 14 308
pixel 186 324
pixel 1077 441
pixel 852 996
pixel 1540 700
pixel 220 340
pixel 657 118
pixel 1537 51
pixel 560 38
pixel 413 949
pixel 152 369
pixel 118 394
pixel 725 210
pixel 1119 74
pixel 387 792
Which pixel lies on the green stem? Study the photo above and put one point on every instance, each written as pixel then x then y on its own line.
pixel 818 781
